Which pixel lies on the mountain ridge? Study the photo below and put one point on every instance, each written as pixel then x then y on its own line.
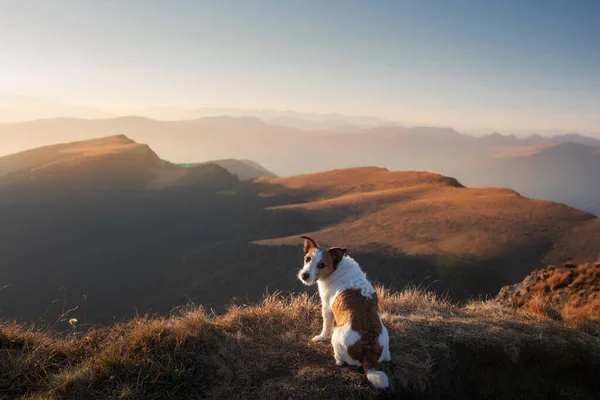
pixel 131 157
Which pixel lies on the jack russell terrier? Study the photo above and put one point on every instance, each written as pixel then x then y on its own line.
pixel 348 299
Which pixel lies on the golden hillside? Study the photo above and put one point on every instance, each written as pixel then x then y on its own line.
pixel 114 160
pixel 71 154
pixel 429 215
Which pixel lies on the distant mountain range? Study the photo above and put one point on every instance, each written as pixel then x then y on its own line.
pixel 110 219
pixel 15 108
pixel 305 121
pixel 561 168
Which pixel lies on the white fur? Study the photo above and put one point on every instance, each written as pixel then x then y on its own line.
pixel 384 341
pixel 311 267
pixel 342 338
pixel 348 275
pixel 378 379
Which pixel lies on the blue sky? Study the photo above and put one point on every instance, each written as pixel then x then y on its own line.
pixel 472 64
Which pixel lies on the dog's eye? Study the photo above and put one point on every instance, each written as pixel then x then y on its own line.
pixel 321 265
pixel 307 259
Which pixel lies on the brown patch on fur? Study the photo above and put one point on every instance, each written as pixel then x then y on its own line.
pixel 337 253
pixel 351 306
pixel 328 261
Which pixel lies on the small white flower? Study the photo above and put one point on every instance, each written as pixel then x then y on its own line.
pixel 73 321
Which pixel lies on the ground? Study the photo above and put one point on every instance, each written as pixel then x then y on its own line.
pixel 439 351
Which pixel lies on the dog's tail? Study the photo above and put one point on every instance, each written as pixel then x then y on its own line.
pixel 371 364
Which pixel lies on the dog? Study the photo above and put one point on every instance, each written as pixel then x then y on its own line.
pixel 348 299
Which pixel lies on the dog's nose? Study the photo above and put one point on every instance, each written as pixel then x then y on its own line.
pixel 305 276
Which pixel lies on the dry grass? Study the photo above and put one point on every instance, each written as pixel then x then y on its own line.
pixel 570 294
pixel 439 350
pixel 342 182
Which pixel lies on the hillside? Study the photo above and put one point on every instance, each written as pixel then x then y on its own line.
pixel 71 154
pixel 115 160
pixel 439 351
pixel 157 236
pixel 464 235
pixel 570 292
pixel 556 174
pixel 244 169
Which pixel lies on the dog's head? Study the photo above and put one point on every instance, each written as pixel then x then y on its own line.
pixel 319 262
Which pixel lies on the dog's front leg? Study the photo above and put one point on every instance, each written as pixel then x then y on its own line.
pixel 327 325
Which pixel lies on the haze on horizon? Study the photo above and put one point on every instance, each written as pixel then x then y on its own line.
pixel 508 66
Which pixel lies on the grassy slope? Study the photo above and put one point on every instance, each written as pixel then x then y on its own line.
pixel 439 350
pixel 114 161
pixel 110 160
pixel 424 215
pixel 244 169
pixel 70 154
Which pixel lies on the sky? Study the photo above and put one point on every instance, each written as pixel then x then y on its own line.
pixel 467 64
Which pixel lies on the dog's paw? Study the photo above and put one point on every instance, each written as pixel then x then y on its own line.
pixel 320 338
pixel 339 363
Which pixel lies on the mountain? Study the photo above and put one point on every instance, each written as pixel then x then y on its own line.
pixel 307 121
pixel 243 169
pixel 114 161
pixel 578 138
pixel 130 231
pixel 562 171
pixel 534 166
pixel 210 138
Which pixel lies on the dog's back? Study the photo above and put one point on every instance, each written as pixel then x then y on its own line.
pixel 359 336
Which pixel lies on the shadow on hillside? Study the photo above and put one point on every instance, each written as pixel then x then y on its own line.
pixel 138 251
pixel 216 274
pixel 251 269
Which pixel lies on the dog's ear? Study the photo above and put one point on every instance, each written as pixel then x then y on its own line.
pixel 309 244
pixel 337 253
